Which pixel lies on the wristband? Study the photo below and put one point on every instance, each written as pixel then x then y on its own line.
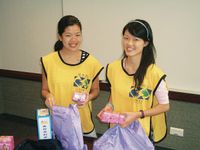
pixel 142 112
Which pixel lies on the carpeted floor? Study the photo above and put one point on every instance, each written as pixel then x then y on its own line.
pixel 23 128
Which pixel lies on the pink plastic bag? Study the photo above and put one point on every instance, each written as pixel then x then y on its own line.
pixel 132 137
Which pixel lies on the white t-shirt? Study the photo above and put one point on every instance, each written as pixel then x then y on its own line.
pixel 162 93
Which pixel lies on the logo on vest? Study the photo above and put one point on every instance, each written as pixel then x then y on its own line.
pixel 81 81
pixel 140 93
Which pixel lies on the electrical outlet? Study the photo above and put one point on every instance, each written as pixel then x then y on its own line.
pixel 177 131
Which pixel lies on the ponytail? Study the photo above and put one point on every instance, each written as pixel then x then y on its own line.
pixel 58 45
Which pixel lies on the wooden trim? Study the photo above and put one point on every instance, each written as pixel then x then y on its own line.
pixel 173 95
pixel 20 75
pixel 186 97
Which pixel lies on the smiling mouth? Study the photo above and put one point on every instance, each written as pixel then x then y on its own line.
pixel 130 49
pixel 73 45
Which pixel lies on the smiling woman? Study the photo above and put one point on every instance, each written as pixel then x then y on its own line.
pixel 140 93
pixel 70 70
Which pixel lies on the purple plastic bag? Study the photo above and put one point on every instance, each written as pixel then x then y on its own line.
pixel 132 137
pixel 67 127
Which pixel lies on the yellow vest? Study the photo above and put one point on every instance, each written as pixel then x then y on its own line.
pixel 126 99
pixel 65 79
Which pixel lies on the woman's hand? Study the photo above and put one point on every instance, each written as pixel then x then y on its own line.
pixel 83 103
pixel 49 101
pixel 129 118
pixel 92 94
pixel 107 108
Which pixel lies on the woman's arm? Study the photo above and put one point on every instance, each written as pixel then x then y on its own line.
pixel 163 100
pixel 162 106
pixel 132 116
pixel 94 91
pixel 48 97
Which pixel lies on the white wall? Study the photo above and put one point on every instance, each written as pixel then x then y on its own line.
pixel 175 24
pixel 27 32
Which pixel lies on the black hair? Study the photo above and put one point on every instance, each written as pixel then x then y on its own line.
pixel 141 29
pixel 64 22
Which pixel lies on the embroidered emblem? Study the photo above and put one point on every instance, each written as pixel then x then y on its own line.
pixel 140 93
pixel 81 81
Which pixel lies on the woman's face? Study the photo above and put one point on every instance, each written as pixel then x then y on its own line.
pixel 133 46
pixel 71 38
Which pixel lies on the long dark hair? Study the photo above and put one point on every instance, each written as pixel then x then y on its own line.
pixel 64 22
pixel 141 29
